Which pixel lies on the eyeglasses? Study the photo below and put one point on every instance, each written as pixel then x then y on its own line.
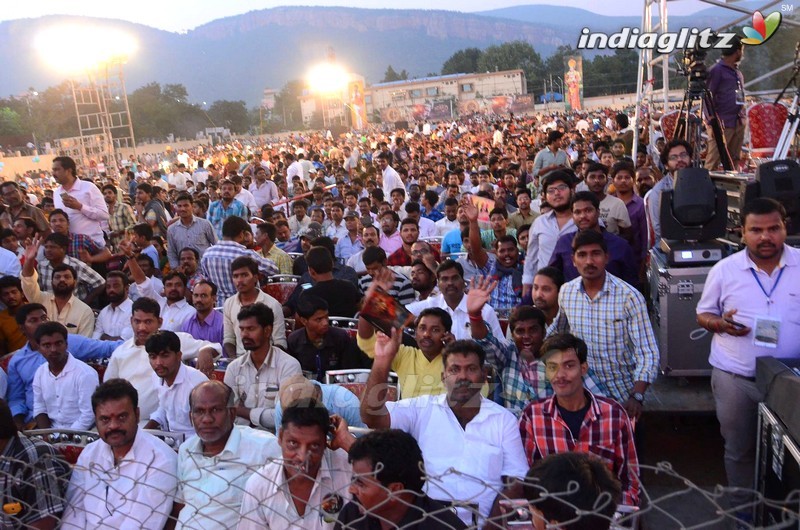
pixel 553 189
pixel 683 155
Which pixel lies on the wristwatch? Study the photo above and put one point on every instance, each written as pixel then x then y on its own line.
pixel 638 396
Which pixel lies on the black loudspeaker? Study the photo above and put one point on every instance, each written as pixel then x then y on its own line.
pixel 339 130
pixel 780 180
pixel 401 125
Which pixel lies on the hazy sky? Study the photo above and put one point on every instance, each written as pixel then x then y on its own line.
pixel 177 15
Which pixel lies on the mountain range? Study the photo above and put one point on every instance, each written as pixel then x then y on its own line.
pixel 237 57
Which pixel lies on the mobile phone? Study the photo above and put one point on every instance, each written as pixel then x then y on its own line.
pixel 64 195
pixel 738 325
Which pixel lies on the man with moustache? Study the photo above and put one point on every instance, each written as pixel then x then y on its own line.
pixel 750 304
pixel 175 310
pixel 206 323
pixel 114 320
pixel 214 466
pixel 676 155
pixel 127 478
pixel 370 237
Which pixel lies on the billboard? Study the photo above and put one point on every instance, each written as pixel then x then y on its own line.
pixel 573 82
pixel 358 109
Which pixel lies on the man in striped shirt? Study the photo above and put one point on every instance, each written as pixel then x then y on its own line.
pixel 574 419
pixel 375 262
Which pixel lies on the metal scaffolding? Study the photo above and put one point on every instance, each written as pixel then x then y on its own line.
pixel 104 123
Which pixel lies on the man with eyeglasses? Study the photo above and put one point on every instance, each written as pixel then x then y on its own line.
pixel 127 478
pixel 557 188
pixel 675 156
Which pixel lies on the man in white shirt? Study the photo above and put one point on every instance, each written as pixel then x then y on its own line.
pixel 244 196
pixel 370 237
pixel 613 211
pixel 450 278
pixel 255 376
pixel 294 168
pixel 175 310
pixel 292 492
pixel 177 178
pixel 200 175
pixel 337 229
pixel 9 263
pixel 484 445
pixel 114 320
pixel 83 201
pixel 391 178
pixel 214 466
pixel 449 222
pixel 264 191
pixel 62 388
pixel 125 480
pixel 427 228
pixel 129 361
pixel 175 382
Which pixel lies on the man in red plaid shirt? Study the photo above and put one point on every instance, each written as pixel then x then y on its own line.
pixel 576 420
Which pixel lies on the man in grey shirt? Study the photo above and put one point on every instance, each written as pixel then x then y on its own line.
pixel 552 157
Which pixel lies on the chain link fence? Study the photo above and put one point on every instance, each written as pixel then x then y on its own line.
pixel 226 495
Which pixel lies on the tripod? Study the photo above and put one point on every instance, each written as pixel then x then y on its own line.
pixel 690 127
pixel 793 118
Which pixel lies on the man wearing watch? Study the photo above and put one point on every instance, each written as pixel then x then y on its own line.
pixel 751 303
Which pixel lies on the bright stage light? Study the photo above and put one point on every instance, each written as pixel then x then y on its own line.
pixel 327 78
pixel 74 48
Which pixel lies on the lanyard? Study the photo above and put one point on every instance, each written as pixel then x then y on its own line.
pixel 774 286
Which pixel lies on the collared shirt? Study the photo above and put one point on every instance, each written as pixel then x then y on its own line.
pixel 427 228
pixel 75 315
pixel 636 212
pixel 173 314
pixel 434 215
pixel 25 362
pixel 401 287
pixel 66 398
pixel 357 263
pixel 418 376
pixel 281 259
pixel 264 193
pixel 461 327
pixel 653 200
pixel 723 83
pixel 391 181
pixel 114 321
pixel 606 433
pixel 211 487
pixel 524 381
pixel 246 198
pixel 517 219
pixel 295 224
pixel 136 493
pixel 488 238
pixel 445 226
pixel 199 235
pixel 346 247
pixel 258 387
pixel 37 478
pixel 210 329
pixel 172 413
pixel 337 399
pixel 546 157
pixel 130 362
pixel 7 218
pixel 88 279
pixel 617 330
pixel 542 239
pixel 121 218
pixel 217 213
pixel 230 323
pixel 216 265
pixel 621 261
pixel 336 232
pixel 93 212
pixel 485 450
pixel 731 285
pixel 390 243
pixel 267 502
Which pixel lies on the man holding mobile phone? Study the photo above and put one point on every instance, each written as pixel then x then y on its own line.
pixel 82 200
pixel 750 304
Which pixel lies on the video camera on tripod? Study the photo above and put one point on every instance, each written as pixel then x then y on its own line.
pixel 693 67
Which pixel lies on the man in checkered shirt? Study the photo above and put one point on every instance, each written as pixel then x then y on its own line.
pixel 574 419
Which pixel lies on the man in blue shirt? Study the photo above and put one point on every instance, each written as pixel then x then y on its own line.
pixel 337 399
pixel 26 360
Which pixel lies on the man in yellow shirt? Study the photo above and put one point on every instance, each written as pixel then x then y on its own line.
pixel 419 369
pixel 266 235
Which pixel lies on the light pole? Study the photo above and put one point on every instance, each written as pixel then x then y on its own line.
pixel 28 95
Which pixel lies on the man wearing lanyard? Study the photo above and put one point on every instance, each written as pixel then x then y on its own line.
pixel 751 303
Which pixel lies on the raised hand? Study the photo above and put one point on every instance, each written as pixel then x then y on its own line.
pixel 480 292
pixel 32 249
pixel 386 348
pixel 469 209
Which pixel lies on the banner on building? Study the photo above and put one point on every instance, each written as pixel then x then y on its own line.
pixel 358 108
pixel 573 82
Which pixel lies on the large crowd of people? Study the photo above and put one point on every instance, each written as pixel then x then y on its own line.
pixel 528 351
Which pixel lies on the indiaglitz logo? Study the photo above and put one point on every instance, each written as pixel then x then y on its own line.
pixel 763 28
